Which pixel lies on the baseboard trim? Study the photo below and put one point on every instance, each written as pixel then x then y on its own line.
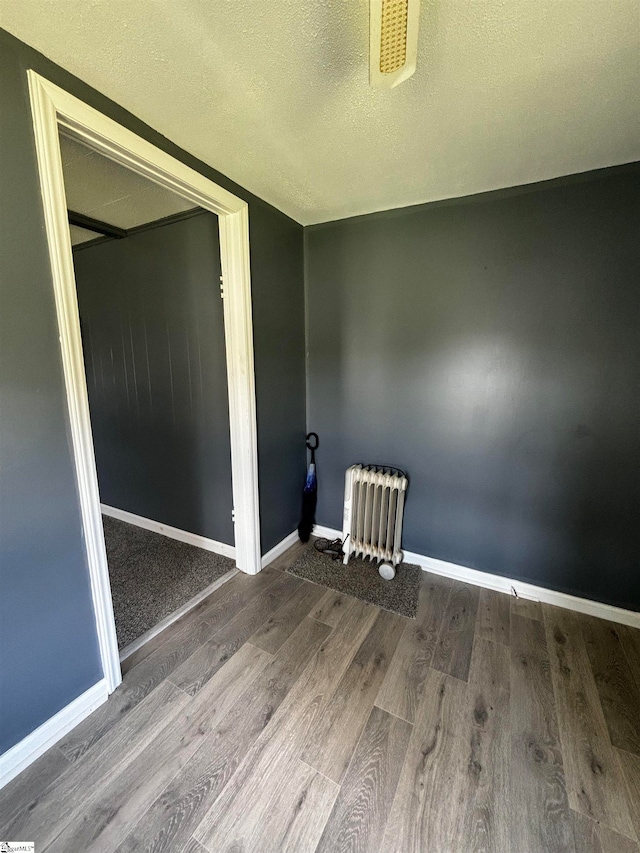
pixel 171 532
pixel 279 549
pixel 127 651
pixel 509 586
pixel 326 532
pixel 24 753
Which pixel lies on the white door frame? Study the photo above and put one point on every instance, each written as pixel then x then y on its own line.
pixel 53 108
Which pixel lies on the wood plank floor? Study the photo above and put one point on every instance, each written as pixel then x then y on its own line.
pixel 279 716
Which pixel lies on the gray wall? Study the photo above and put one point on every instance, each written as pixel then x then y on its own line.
pixel 154 348
pixel 490 347
pixel 51 656
pixel 49 651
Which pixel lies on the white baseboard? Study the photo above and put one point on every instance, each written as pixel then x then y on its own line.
pixel 24 753
pixel 326 532
pixel 509 586
pixel 280 548
pixel 173 617
pixel 171 532
pixel 194 539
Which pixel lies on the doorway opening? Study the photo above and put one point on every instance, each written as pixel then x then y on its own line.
pixel 55 111
pixel 147 270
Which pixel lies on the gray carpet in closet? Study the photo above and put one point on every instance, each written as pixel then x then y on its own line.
pixel 151 576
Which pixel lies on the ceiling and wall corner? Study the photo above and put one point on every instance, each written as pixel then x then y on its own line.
pixel 104 190
pixel 276 96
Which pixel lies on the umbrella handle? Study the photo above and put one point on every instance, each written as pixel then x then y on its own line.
pixel 313 447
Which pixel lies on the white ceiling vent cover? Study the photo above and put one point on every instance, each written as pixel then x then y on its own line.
pixel 393 26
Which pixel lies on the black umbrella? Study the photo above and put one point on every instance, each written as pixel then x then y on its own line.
pixel 309 493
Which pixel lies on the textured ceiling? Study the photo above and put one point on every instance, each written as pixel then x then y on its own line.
pixel 276 95
pixel 97 187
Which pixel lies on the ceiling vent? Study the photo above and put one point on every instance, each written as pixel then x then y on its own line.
pixel 393 37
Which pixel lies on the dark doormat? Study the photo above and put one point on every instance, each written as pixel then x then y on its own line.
pixel 360 578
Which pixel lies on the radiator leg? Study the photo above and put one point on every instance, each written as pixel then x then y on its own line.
pixel 387 571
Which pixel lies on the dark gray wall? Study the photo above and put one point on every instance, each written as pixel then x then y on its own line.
pixel 490 347
pixel 52 656
pixel 277 278
pixel 154 349
pixel 49 652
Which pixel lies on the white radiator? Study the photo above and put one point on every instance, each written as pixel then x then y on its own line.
pixel 373 507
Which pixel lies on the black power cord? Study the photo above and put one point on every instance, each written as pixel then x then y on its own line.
pixel 331 547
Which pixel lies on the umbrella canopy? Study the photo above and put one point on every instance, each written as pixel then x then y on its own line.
pixel 310 492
